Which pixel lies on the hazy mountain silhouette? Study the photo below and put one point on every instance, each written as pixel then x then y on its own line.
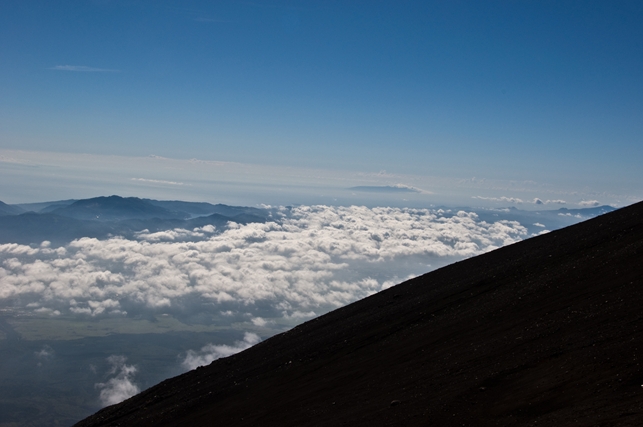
pixel 44 207
pixel 6 209
pixel 116 208
pixel 543 332
pixel 52 207
pixel 104 217
pixel 33 228
pixel 204 209
pixel 598 210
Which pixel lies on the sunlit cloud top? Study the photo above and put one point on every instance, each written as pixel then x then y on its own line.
pixel 313 259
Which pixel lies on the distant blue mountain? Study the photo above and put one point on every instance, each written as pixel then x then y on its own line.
pixel 598 210
pixel 203 209
pixel 43 207
pixel 6 209
pixel 115 208
pixel 103 217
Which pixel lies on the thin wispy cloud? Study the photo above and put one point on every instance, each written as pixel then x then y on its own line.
pixel 84 69
pixel 157 181
pixel 397 188
pixel 535 201
pixel 52 174
pixel 499 199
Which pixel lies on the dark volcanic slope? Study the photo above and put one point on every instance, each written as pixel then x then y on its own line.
pixel 548 331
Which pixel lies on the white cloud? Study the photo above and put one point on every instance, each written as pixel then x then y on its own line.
pixel 212 352
pixel 312 260
pixel 83 68
pixel 536 200
pixel 589 203
pixel 500 199
pixel 45 353
pixel 579 216
pixel 258 321
pixel 49 311
pixel 157 181
pixel 178 234
pixel 120 387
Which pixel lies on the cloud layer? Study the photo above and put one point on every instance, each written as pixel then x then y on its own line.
pixel 311 260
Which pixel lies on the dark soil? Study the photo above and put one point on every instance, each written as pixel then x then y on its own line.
pixel 543 332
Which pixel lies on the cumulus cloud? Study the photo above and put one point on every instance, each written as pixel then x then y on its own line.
pixel 589 203
pixel 178 234
pixel 120 387
pixel 212 352
pixel 538 201
pixel 579 216
pixel 258 321
pixel 311 259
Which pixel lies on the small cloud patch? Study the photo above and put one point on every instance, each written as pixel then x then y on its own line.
pixel 212 352
pixel 120 387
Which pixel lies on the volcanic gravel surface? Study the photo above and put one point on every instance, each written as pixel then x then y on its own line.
pixel 548 331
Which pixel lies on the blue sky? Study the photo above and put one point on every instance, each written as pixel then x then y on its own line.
pixel 539 99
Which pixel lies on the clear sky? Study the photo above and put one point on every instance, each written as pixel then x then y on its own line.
pixel 533 99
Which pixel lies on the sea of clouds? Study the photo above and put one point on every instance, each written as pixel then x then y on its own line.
pixel 310 260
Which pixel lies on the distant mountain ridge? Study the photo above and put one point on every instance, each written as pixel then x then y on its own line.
pixel 546 331
pixel 203 208
pixel 598 210
pixel 100 208
pixel 44 207
pixel 6 209
pixel 60 222
pixel 114 208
